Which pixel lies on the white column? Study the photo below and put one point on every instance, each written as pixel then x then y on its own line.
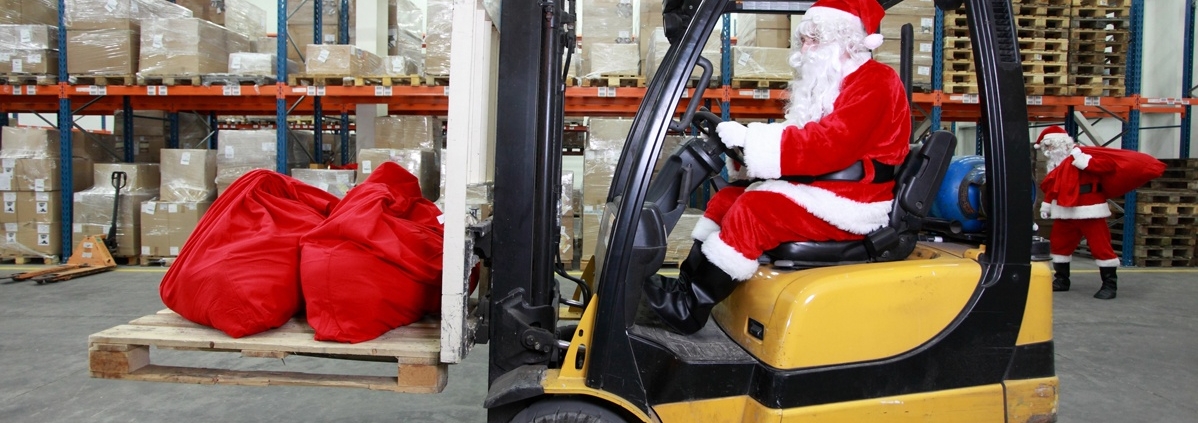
pixel 371 35
pixel 470 134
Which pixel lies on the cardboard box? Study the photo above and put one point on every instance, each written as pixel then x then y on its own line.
pixel 188 46
pixel 166 226
pixel 34 61
pixel 44 174
pixel 38 207
pixel 242 151
pixel 188 175
pixel 439 30
pixel 102 52
pixel 922 26
pixel 612 59
pixel 29 37
pixel 40 12
pixel 408 132
pixel 141 177
pixel 606 21
pixel 8 207
pixel 607 133
pixel 761 63
pixel 598 167
pixel 325 59
pixel 913 7
pixel 239 16
pixel 20 142
pixel 424 164
pixel 334 181
pixel 42 239
pixel 98 14
pixel 263 64
pixel 9 245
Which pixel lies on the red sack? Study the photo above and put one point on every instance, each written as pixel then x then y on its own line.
pixel 239 270
pixel 375 263
pixel 1131 170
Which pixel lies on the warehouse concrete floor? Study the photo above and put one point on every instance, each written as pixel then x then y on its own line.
pixel 1130 360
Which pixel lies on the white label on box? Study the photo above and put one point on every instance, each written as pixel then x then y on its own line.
pixel 925 47
pixel 228 152
pixel 924 70
pixel 367 166
pixel 43 239
pixel 151 90
pixel 39 184
pixel 26 36
pixel 342 178
pixel 79 228
pixel 744 59
pixel 110 6
pixel 87 245
pixel 172 208
pixel 33 58
pixel 185 158
pixel 43 228
pixel 235 62
pixel 18 66
pixel 441 219
pixel 174 251
pixel 41 196
pixel 11 227
pixel 268 146
pixel 87 254
pixel 322 56
pixel 625 35
pixel 157 41
pixel 145 250
pixel 10 206
pixel 10 237
pixel 396 62
pixel 43 207
pixel 147 208
pixel 4 57
pixel 330 38
pixel 1035 100
pixel 925 24
pixel 10 196
pixel 6 180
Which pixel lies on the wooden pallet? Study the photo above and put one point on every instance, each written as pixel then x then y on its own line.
pixel 123 352
pixel 1044 46
pixel 19 260
pixel 1166 220
pixel 185 80
pixel 1143 252
pixel 1163 262
pixel 1160 231
pixel 1045 2
pixel 1171 183
pixel 613 81
pixel 750 83
pixel 1101 12
pixel 1047 33
pixel 1156 241
pixel 1166 196
pixel 388 80
pixel 1083 35
pixel 436 80
pixel 1102 90
pixel 1106 24
pixel 1102 3
pixel 1166 208
pixel 1058 57
pixel 1033 77
pixel 1181 163
pixel 164 261
pixel 1046 89
pixel 1043 22
pixel 28 79
pixel 127 260
pixel 103 79
pixel 231 79
pixel 1038 9
pixel 321 80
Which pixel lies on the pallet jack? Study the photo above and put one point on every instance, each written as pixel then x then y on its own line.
pixel 92 255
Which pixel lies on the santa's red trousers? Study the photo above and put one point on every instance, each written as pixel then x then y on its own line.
pixel 754 221
pixel 1067 235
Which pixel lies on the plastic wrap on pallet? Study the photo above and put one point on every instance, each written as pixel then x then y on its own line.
pixel 33 62
pixel 921 63
pixel 761 63
pixel 408 38
pixel 43 174
pixel 22 142
pixel 99 14
pixel 334 181
pixel 240 16
pixel 565 246
pixel 140 177
pixel 324 59
pixel 242 151
pixel 607 21
pixel 31 239
pixel 607 133
pixel 29 37
pixel 6 55
pixel 764 30
pixel 424 164
pixel 598 167
pixel 302 11
pixel 437 35
pixel 189 46
pixel 613 59
pixel 102 52
pixel 41 12
pixel 402 65
pixel 679 242
pixel 408 132
pixel 166 225
pixel 658 45
pixel 188 175
pixel 257 64
pixel 93 216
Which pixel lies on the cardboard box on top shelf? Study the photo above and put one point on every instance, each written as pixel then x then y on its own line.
pixel 341 60
pixel 103 51
pixel 240 16
pixel 439 28
pixel 187 46
pixel 761 63
pixel 29 37
pixel 99 14
pixel 922 26
pixel 43 12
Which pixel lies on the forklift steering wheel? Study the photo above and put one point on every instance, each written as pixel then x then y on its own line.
pixel 707 122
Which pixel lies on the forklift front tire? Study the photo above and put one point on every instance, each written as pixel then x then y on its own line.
pixel 566 410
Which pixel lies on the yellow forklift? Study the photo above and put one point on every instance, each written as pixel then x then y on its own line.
pixel 888 329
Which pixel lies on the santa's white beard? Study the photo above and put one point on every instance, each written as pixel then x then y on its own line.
pixel 820 73
pixel 1055 157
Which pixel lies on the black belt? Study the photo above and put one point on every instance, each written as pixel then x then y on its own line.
pixel 1088 188
pixel 855 173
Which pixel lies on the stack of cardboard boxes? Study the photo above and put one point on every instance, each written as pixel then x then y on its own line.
pixel 753 30
pixel 29 12
pixel 657 45
pixel 407 39
pixel 301 26
pixel 104 36
pixel 342 60
pixel 242 151
pixel 187 46
pixel 414 142
pixel 762 48
pixel 605 140
pixel 31 185
pixel 439 16
pixel 93 207
pixel 921 14
pixel 565 208
pixel 188 188
pixel 608 47
pixel 31 49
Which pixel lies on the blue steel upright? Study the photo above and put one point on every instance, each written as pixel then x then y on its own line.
pixel 127 128
pixel 343 38
pixel 214 126
pixel 65 123
pixel 317 107
pixel 172 139
pixel 1187 79
pixel 938 65
pixel 1131 129
pixel 281 100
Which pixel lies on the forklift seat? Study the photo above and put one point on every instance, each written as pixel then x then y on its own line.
pixel 918 180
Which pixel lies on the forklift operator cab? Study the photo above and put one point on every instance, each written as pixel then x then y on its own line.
pixel 886 329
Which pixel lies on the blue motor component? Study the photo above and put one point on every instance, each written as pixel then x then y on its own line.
pixel 961 194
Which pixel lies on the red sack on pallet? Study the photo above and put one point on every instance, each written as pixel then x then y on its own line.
pixel 375 263
pixel 239 270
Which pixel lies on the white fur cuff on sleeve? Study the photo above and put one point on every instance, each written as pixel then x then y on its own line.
pixel 763 150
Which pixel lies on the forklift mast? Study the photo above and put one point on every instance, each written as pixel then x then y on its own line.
pixel 523 299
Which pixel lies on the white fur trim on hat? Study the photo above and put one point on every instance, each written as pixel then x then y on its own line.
pixel 1054 139
pixel 1092 211
pixel 1107 263
pixel 873 41
pixel 704 228
pixel 763 149
pixel 825 13
pixel 848 215
pixel 1057 258
pixel 728 259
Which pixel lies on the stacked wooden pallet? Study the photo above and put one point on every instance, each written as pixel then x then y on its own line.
pixel 1166 227
pixel 1043 37
pixel 1098 39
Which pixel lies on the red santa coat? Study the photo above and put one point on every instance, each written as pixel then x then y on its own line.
pixel 1073 189
pixel 870 122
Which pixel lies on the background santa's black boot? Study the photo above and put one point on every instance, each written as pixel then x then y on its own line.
pixel 1109 282
pixel 1060 277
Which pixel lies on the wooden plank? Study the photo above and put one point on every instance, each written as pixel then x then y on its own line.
pixel 208 376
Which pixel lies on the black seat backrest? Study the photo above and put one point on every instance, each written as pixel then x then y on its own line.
pixel 920 178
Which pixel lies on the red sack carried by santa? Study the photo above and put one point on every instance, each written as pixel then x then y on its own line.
pixel 1132 170
pixel 239 270
pixel 375 263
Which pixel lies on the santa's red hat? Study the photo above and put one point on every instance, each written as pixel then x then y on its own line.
pixel 869 12
pixel 1052 132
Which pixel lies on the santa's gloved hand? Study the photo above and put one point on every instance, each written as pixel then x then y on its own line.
pixel 1080 159
pixel 732 134
pixel 1045 209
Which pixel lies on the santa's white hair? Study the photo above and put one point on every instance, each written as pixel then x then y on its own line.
pixel 839 47
pixel 1056 148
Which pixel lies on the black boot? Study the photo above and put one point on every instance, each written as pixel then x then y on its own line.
pixel 1060 277
pixel 1109 280
pixel 685 303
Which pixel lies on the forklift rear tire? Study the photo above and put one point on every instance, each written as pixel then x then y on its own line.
pixel 566 410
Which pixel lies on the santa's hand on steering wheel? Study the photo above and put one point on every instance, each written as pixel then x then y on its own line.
pixel 732 134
